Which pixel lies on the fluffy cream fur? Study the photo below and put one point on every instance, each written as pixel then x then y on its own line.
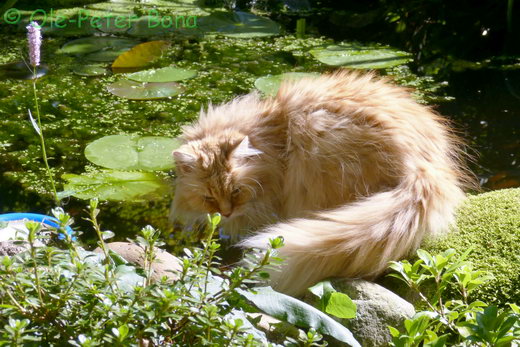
pixel 348 168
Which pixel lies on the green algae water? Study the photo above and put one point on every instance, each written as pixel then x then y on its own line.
pixel 78 108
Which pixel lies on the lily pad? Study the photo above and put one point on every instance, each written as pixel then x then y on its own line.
pixel 239 25
pixel 108 55
pixel 94 44
pixel 115 185
pixel 360 56
pixel 141 55
pixel 130 152
pixel 144 91
pixel 269 85
pixel 166 74
pixel 90 70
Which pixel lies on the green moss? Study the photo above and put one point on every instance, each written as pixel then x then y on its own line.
pixel 489 224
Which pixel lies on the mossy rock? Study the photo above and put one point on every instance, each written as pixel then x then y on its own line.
pixel 489 224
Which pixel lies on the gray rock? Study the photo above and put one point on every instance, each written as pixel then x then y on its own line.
pixel 165 264
pixel 10 248
pixel 377 308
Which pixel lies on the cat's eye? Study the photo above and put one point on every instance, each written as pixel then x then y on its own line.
pixel 235 191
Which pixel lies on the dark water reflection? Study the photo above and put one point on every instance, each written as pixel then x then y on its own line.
pixel 487 106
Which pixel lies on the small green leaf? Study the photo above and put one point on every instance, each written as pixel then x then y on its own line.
pixel 341 306
pixel 107 234
pixel 393 331
pixel 322 288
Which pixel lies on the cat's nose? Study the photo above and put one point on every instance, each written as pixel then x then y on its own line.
pixel 226 208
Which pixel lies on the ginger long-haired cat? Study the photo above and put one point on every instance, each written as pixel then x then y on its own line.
pixel 347 167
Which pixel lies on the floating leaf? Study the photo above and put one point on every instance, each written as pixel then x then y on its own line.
pixel 141 55
pixel 359 56
pixel 239 25
pixel 96 44
pixel 269 84
pixel 144 91
pixel 108 55
pixel 127 152
pixel 167 74
pixel 155 153
pixel 115 185
pixel 296 312
pixel 90 70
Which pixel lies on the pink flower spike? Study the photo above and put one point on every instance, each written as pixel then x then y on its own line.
pixel 34 37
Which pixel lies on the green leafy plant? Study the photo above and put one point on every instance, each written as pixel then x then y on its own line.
pixel 447 320
pixel 62 294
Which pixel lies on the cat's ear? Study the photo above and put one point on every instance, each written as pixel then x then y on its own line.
pixel 184 161
pixel 245 149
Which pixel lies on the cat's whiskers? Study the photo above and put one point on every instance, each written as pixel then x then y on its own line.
pixel 258 183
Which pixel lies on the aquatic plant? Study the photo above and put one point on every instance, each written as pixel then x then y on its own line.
pixel 34 38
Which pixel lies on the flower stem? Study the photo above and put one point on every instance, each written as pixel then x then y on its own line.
pixel 42 141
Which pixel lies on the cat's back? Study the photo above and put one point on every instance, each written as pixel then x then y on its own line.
pixel 343 87
pixel 350 134
pixel 349 107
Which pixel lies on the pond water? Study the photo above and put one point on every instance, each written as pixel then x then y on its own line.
pixel 76 110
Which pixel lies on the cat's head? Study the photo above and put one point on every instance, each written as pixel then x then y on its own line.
pixel 218 174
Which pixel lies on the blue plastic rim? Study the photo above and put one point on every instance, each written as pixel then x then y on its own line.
pixel 35 217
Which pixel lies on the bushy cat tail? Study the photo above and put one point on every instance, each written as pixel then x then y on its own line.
pixel 358 240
